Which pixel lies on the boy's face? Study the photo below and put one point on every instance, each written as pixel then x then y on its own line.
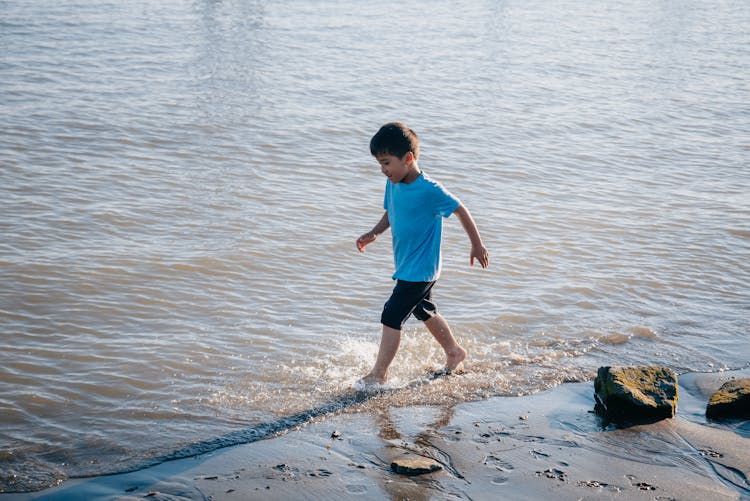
pixel 397 169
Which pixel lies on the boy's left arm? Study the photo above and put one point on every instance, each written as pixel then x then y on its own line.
pixel 478 250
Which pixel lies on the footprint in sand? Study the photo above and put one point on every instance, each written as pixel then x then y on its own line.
pixel 642 486
pixel 356 489
pixel 483 438
pixel 500 480
pixel 554 474
pixel 320 472
pixel 498 463
pixel 452 433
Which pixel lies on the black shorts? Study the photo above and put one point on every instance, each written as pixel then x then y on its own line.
pixel 408 298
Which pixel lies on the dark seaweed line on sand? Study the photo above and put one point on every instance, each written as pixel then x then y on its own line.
pixel 270 429
pixel 255 433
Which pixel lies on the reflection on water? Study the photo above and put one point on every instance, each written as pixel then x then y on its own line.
pixel 181 185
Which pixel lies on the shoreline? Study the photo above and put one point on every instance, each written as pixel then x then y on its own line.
pixel 546 445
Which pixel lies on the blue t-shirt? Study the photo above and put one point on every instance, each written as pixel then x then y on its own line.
pixel 415 213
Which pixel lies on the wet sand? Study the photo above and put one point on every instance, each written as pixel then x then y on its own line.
pixel 544 446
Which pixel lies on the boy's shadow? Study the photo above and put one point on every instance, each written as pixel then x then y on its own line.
pixel 426 442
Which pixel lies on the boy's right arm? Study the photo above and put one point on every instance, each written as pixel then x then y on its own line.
pixel 478 250
pixel 371 235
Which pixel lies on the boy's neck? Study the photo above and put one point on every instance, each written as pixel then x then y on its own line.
pixel 414 173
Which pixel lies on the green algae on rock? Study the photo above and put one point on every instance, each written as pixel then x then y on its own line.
pixel 636 394
pixel 732 400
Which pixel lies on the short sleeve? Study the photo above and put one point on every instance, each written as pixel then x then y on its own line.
pixel 443 201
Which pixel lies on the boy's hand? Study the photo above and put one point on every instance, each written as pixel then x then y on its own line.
pixel 364 240
pixel 481 254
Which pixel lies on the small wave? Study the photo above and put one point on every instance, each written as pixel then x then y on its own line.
pixel 21 473
pixel 739 233
pixel 644 333
pixel 616 338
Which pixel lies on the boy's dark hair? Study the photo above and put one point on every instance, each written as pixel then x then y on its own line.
pixel 395 139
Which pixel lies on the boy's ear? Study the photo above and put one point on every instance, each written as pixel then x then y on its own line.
pixel 409 157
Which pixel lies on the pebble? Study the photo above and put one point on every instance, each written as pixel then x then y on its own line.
pixel 415 465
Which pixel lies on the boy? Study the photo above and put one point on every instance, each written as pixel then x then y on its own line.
pixel 414 207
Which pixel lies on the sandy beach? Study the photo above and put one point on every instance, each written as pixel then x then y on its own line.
pixel 544 446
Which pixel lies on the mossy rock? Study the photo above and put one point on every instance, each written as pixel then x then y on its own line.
pixel 636 394
pixel 732 400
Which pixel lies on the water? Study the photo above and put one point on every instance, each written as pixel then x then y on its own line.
pixel 182 183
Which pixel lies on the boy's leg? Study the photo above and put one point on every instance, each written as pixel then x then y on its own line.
pixel 441 331
pixel 401 304
pixel 387 351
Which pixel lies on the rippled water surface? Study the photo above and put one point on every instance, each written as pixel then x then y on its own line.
pixel 182 182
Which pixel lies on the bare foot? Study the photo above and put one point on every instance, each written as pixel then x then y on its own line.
pixel 373 378
pixel 454 359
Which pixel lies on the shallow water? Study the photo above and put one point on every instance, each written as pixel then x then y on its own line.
pixel 181 186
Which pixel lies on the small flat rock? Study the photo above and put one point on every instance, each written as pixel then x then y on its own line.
pixel 732 400
pixel 415 465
